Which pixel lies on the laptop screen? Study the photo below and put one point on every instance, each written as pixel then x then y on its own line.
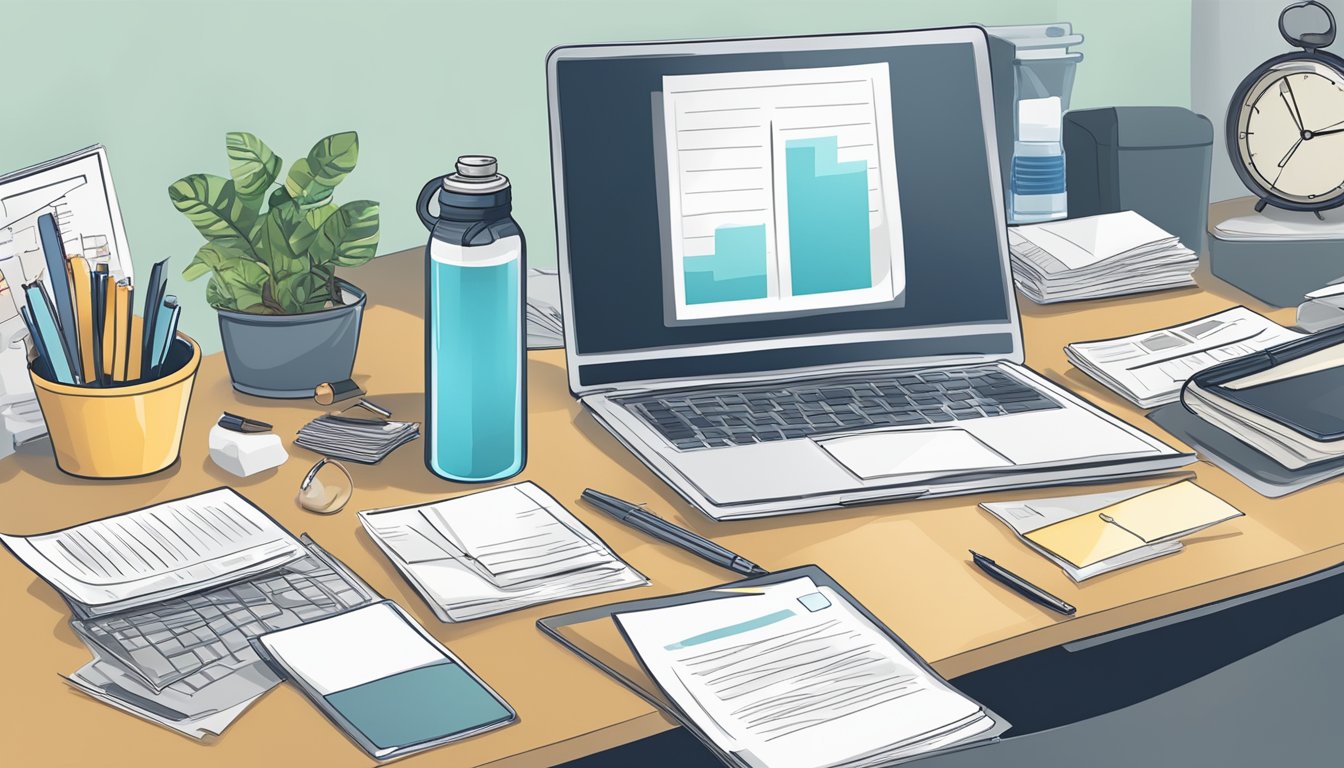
pixel 744 206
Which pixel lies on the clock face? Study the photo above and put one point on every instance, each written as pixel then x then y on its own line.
pixel 1290 132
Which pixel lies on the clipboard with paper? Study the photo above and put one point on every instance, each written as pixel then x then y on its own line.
pixel 786 670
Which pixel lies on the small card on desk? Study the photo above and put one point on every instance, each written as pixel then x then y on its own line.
pixel 1163 514
pixel 385 681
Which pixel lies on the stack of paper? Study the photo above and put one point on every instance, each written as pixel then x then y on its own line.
pixel 1108 255
pixel 367 441
pixel 496 551
pixel 1149 369
pixel 545 323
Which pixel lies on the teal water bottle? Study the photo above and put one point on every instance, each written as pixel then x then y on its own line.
pixel 475 356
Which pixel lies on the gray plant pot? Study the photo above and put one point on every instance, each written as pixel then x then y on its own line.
pixel 288 355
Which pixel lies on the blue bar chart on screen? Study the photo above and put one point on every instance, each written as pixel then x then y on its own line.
pixel 782 194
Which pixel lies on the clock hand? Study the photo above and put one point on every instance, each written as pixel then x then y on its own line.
pixel 1286 91
pixel 1293 149
pixel 1314 134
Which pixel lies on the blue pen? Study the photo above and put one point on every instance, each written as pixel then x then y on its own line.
pixel 165 328
pixel 48 336
pixel 61 300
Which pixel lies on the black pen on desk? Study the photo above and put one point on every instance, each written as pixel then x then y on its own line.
pixel 637 517
pixel 1021 585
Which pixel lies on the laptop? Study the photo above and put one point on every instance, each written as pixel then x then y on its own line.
pixel 785 277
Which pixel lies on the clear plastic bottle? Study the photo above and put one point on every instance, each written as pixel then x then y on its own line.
pixel 475 355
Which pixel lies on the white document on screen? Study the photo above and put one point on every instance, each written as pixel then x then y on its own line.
pixel 782 191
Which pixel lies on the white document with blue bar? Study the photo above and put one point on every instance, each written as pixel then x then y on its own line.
pixel 791 675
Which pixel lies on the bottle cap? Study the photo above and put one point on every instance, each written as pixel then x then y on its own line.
pixel 476 175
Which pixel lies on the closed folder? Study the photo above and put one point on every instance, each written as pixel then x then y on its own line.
pixel 1164 514
pixel 81 286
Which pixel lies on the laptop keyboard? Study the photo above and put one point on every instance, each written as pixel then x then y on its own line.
pixel 716 418
pixel 199 638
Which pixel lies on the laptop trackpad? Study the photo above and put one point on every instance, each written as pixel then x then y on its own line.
pixel 883 454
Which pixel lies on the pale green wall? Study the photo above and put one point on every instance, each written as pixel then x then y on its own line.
pixel 160 82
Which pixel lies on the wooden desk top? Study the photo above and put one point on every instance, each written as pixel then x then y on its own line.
pixel 906 561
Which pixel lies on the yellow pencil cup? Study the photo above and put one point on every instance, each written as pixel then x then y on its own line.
pixel 127 430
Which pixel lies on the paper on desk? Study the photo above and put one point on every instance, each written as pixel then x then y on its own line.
pixel 514 534
pixel 795 677
pixel 1029 515
pixel 207 711
pixel 1084 242
pixel 556 555
pixel 158 552
pixel 1149 368
pixel 1159 515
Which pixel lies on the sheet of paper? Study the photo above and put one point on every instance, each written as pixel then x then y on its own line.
pixel 158 552
pixel 782 191
pixel 1151 367
pixel 1170 512
pixel 433 555
pixel 794 677
pixel 1079 243
pixel 514 534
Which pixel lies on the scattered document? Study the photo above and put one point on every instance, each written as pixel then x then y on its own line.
pixel 495 551
pixel 159 552
pixel 782 191
pixel 545 319
pixel 1113 254
pixel 1025 517
pixel 167 597
pixel 385 681
pixel 1164 514
pixel 366 441
pixel 1149 369
pixel 791 675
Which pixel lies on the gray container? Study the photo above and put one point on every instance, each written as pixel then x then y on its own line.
pixel 1151 160
pixel 288 355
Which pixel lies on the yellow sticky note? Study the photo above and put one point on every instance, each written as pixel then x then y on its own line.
pixel 1170 512
pixel 1086 539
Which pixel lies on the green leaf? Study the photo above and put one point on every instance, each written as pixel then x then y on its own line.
pixel 312 178
pixel 271 241
pixel 252 164
pixel 218 256
pixel 239 287
pixel 349 237
pixel 212 205
pixel 297 292
pixel 279 197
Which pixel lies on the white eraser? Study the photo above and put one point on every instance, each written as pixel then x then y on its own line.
pixel 244 455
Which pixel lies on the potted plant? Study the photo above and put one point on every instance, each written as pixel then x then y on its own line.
pixel 288 323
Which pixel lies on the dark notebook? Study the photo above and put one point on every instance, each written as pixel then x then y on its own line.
pixel 1310 403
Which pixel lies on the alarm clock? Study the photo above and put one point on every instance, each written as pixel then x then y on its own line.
pixel 1285 125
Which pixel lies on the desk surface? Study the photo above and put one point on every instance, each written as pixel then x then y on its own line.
pixel 906 561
